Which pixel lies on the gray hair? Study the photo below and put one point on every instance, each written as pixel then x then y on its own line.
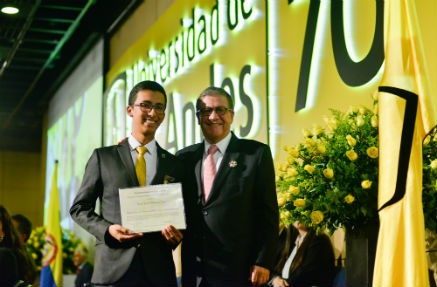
pixel 214 91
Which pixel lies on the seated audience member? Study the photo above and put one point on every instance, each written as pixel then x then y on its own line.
pixel 8 266
pixel 23 226
pixel 84 269
pixel 11 240
pixel 306 259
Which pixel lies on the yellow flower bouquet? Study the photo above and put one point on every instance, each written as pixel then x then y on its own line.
pixel 35 247
pixel 331 178
pixel 429 194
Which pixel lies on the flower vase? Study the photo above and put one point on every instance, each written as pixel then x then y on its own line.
pixel 360 255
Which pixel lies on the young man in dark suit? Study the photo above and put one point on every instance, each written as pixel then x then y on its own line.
pixel 232 217
pixel 122 257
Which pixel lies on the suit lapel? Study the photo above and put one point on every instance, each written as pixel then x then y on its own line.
pixel 231 155
pixel 162 165
pixel 126 158
pixel 198 170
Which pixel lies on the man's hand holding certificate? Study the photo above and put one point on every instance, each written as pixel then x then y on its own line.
pixel 152 208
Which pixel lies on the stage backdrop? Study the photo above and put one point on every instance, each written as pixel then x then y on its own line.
pixel 284 62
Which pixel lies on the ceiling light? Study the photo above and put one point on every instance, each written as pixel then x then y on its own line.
pixel 10 10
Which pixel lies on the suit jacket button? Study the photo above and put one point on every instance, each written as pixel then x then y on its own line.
pixel 205 212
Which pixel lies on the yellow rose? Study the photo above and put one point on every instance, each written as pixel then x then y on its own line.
pixel 290 160
pixel 310 142
pixel 285 214
pixel 372 152
pixel 434 164
pixel 277 178
pixel 286 147
pixel 321 148
pixel 300 202
pixel 309 168
pixel 317 130
pixel 306 133
pixel 281 200
pixel 292 171
pixel 351 141
pixel 294 189
pixel 293 152
pixel 362 110
pixel 349 198
pixel 374 121
pixel 426 140
pixel 34 256
pixel 288 196
pixel 328 172
pixel 351 155
pixel 316 217
pixel 36 245
pixel 299 161
pixel 352 110
pixel 282 167
pixel 360 121
pixel 366 184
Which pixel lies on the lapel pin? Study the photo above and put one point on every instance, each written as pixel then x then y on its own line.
pixel 232 163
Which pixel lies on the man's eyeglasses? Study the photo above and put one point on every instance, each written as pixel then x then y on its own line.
pixel 221 111
pixel 147 107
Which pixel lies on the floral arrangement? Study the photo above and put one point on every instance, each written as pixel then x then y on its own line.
pixel 429 193
pixel 35 247
pixel 331 178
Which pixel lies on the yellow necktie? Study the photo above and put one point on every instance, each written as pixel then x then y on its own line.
pixel 140 167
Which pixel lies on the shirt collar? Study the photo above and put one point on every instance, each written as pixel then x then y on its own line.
pixel 134 143
pixel 300 239
pixel 222 145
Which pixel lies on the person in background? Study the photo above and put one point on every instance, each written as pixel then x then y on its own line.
pixel 232 211
pixel 84 268
pixel 307 259
pixel 10 239
pixel 23 226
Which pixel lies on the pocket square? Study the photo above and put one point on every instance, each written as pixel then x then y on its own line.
pixel 168 179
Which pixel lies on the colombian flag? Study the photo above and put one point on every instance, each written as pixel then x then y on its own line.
pixel 407 112
pixel 51 272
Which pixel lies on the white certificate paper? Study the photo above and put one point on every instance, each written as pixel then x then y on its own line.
pixel 152 208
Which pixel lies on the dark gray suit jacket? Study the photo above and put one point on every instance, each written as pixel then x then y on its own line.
pixel 109 169
pixel 238 225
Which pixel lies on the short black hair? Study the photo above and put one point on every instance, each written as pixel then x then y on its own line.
pixel 146 85
pixel 214 91
pixel 24 225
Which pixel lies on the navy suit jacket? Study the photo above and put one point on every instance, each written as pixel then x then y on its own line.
pixel 237 226
pixel 108 170
pixel 84 275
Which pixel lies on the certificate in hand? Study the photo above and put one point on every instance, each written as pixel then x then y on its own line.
pixel 152 208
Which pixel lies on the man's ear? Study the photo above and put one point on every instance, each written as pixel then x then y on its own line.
pixel 130 111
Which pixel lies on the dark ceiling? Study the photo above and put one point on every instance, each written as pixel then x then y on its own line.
pixel 39 48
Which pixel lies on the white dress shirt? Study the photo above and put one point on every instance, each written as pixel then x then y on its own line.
pixel 286 269
pixel 151 156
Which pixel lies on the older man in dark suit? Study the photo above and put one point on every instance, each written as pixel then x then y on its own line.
pixel 233 216
pixel 122 257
